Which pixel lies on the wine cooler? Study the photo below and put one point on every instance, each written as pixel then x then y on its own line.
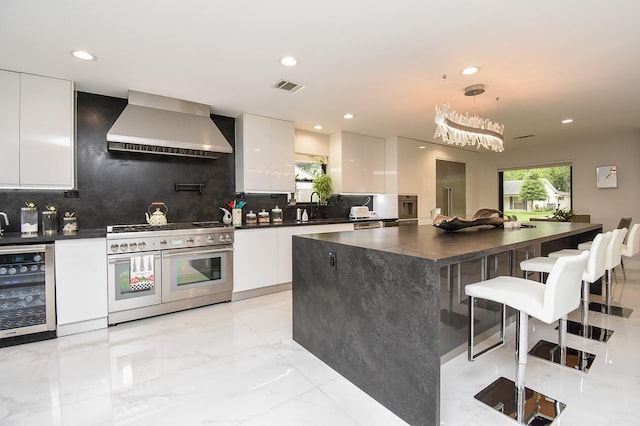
pixel 27 293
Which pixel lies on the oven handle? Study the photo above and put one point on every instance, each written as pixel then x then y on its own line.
pixel 188 252
pixel 115 258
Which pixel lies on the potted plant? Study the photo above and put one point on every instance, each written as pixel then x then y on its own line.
pixel 563 215
pixel 323 185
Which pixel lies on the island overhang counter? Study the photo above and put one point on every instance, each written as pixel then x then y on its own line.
pixel 368 303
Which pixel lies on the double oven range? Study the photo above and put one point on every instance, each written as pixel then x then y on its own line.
pixel 155 270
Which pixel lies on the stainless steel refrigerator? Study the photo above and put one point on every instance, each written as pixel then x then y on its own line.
pixel 451 188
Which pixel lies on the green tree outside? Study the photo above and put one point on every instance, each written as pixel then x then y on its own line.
pixel 532 188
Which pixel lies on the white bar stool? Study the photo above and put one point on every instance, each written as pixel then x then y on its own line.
pixel 548 303
pixel 631 247
pixel 613 258
pixel 560 353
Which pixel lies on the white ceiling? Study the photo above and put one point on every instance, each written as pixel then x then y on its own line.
pixel 381 60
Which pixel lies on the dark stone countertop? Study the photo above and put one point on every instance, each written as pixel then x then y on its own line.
pixel 324 221
pixel 10 238
pixel 429 242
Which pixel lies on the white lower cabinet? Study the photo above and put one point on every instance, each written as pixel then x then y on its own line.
pixel 263 257
pixel 81 285
pixel 255 259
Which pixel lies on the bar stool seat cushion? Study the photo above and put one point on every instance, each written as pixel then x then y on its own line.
pixel 538 264
pixel 565 252
pixel 585 246
pixel 519 293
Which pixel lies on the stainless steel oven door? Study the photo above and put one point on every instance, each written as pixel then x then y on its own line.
pixel 134 280
pixel 194 272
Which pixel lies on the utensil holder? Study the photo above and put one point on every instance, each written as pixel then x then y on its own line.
pixel 236 217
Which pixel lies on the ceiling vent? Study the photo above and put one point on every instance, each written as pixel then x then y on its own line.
pixel 289 86
pixel 523 137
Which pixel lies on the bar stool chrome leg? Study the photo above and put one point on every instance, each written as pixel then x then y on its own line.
pixel 514 399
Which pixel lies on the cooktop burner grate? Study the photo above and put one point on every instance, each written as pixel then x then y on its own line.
pixel 144 227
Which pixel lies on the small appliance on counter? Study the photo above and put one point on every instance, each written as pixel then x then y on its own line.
pixel 359 212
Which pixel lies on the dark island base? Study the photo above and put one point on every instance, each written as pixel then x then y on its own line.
pixel 387 342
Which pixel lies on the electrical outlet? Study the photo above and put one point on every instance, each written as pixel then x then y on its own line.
pixel 333 261
pixel 72 193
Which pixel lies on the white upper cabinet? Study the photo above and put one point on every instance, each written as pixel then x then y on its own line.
pixel 264 154
pixel 38 132
pixel 10 128
pixel 356 163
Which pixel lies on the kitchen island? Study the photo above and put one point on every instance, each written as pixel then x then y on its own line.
pixel 369 303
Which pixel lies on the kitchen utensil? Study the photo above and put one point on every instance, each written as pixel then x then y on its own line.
pixel 158 217
pixel 237 217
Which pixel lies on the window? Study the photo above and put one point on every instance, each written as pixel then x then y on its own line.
pixel 307 167
pixel 535 191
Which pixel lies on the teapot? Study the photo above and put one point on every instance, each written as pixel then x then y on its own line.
pixel 226 219
pixel 6 221
pixel 158 217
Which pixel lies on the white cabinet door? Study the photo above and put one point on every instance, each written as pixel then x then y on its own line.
pixel 256 145
pixel 285 241
pixel 9 128
pixel 264 154
pixel 357 164
pixel 255 258
pixel 46 132
pixel 81 282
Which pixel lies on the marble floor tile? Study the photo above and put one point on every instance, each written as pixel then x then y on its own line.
pixel 236 364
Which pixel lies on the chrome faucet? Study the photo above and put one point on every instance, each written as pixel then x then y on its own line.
pixel 311 201
pixel 6 221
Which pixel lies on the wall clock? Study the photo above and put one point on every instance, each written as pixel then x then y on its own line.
pixel 606 177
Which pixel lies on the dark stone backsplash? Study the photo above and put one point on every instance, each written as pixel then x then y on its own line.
pixel 117 187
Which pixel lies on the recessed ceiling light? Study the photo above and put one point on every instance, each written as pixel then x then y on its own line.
pixel 470 70
pixel 422 147
pixel 349 116
pixel 289 61
pixel 318 127
pixel 567 121
pixel 85 56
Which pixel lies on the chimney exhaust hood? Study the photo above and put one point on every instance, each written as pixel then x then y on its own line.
pixel 154 124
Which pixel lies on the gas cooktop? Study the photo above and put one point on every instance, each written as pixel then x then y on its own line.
pixel 144 227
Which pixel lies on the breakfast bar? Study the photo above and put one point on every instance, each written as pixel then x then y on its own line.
pixel 373 304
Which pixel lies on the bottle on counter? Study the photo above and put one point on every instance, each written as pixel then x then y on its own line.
pixel 298 215
pixel 305 216
pixel 276 215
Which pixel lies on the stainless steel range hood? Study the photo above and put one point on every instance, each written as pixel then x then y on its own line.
pixel 155 124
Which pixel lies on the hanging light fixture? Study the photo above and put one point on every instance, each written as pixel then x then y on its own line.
pixel 463 129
